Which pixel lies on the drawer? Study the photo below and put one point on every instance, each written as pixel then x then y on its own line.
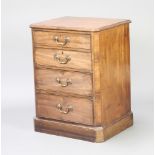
pixel 71 109
pixel 63 59
pixel 58 39
pixel 64 81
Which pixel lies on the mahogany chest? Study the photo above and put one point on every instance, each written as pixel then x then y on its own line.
pixel 82 77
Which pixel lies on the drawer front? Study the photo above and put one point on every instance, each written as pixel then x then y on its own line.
pixel 58 39
pixel 64 81
pixel 78 110
pixel 63 59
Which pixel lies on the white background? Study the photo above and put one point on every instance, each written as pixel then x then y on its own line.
pixel 18 108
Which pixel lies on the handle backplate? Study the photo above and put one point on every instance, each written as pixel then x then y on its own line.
pixel 63 82
pixel 62 59
pixel 59 43
pixel 65 110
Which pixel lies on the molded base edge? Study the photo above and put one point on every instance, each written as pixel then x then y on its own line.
pixel 89 133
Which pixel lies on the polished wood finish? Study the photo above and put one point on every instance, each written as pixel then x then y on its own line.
pixel 78 60
pixel 89 133
pixel 76 41
pixel 80 83
pixel 96 79
pixel 115 73
pixel 82 111
pixel 90 73
pixel 80 23
pixel 79 131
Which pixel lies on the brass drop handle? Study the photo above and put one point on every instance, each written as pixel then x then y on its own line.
pixel 58 42
pixel 63 82
pixel 65 110
pixel 62 59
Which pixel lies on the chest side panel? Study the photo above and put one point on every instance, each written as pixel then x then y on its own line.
pixel 115 73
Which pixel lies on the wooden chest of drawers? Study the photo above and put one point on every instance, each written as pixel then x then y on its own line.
pixel 82 77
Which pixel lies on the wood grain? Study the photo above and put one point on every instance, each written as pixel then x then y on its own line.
pixel 79 60
pixel 76 41
pixel 115 73
pixel 98 72
pixel 80 23
pixel 96 78
pixel 89 133
pixel 82 108
pixel 81 83
pixel 118 126
pixel 78 131
pixel 73 94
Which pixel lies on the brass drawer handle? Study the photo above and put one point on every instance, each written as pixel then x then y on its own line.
pixel 64 110
pixel 66 40
pixel 62 59
pixel 63 82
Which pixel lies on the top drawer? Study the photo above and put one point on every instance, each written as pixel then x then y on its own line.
pixel 61 39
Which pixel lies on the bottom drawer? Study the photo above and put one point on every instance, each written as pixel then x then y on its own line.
pixel 70 109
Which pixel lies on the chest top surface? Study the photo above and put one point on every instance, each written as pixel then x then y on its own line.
pixel 79 23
